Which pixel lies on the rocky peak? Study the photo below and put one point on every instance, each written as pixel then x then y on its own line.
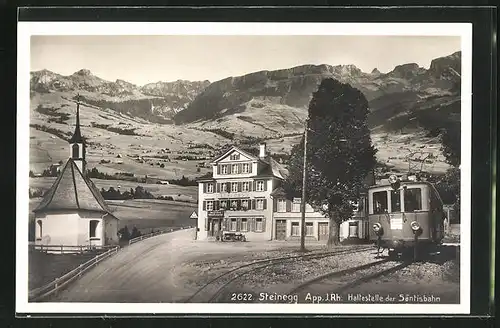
pixel 375 71
pixel 406 71
pixel 83 72
pixel 446 66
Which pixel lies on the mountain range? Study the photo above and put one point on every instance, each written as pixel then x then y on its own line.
pixel 270 105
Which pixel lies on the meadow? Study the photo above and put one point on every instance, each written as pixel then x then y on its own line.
pixel 181 193
pixel 146 214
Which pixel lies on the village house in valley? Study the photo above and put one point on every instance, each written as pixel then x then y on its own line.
pixel 245 195
pixel 73 211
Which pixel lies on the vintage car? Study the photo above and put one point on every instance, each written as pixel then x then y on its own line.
pixel 233 236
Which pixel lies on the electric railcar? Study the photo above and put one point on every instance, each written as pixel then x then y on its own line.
pixel 405 216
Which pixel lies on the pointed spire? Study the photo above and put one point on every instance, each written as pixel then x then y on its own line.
pixel 77 136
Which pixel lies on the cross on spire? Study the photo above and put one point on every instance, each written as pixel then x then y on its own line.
pixel 77 135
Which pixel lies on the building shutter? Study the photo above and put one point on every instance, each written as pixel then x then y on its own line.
pixel 250 185
pixel 288 205
pixel 204 188
pixel 239 186
pixel 264 222
pixel 228 187
pixel 253 204
pixel 218 169
pixel 216 205
pixel 254 185
pixel 250 167
pixel 265 185
pixel 275 205
pixel 238 224
pixel 218 187
pixel 240 168
pixel 204 205
pixel 265 203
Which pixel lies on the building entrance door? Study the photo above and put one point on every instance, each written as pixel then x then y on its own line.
pixel 280 229
pixel 215 227
pixel 353 229
pixel 323 230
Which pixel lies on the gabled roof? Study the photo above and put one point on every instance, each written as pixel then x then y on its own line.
pixel 272 168
pixel 231 149
pixel 73 191
pixel 278 192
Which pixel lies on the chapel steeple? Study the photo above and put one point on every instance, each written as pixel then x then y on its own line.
pixel 77 143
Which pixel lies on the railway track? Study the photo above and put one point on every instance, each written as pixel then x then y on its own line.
pixel 340 281
pixel 211 291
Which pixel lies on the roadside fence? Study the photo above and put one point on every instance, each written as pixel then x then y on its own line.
pixel 52 288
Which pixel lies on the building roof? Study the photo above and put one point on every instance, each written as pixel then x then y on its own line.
pixel 73 191
pixel 232 148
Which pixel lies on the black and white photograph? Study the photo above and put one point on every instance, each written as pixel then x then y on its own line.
pixel 319 168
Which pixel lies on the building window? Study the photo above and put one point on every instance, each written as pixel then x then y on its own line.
pixel 210 205
pixel 260 186
pixel 233 225
pixel 413 199
pixel 244 224
pixel 235 157
pixel 234 205
pixel 246 186
pixel 259 204
pixel 234 186
pixel 223 204
pixel 295 229
pixel 93 228
pixel 210 187
pixel 296 207
pixel 244 204
pixel 40 230
pixel 234 169
pixel 309 229
pixel 246 168
pixel 223 169
pixel 76 151
pixel 379 202
pixel 223 187
pixel 259 226
pixel 281 205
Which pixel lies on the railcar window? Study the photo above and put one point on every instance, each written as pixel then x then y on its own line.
pixel 413 199
pixel 395 201
pixel 379 202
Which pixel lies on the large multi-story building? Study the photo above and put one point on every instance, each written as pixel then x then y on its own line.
pixel 245 195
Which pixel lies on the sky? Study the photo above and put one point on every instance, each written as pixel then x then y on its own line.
pixel 147 59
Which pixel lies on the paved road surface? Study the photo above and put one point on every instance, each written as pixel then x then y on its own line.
pixel 142 272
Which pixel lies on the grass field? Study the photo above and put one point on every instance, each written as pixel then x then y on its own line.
pixel 147 214
pixel 177 192
pixel 44 268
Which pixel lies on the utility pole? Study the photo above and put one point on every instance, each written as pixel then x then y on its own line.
pixel 303 200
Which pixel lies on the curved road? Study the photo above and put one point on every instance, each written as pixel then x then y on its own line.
pixel 142 272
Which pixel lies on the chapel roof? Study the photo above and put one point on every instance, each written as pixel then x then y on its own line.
pixel 73 191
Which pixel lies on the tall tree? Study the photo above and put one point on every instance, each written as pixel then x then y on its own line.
pixel 340 154
pixel 450 140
